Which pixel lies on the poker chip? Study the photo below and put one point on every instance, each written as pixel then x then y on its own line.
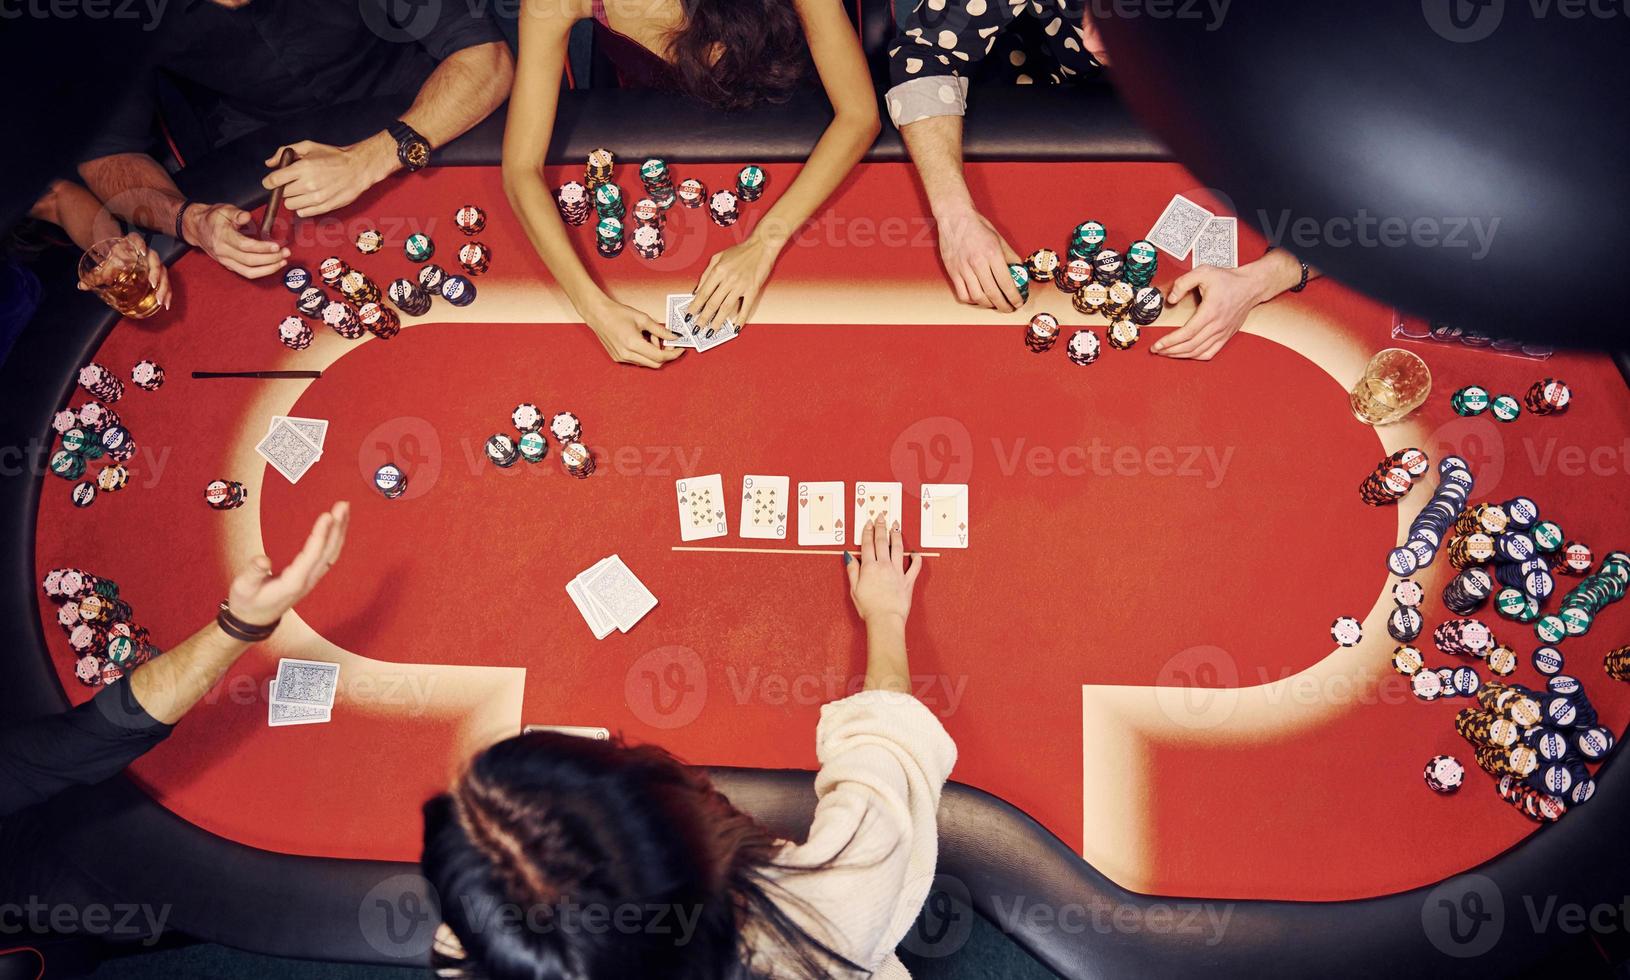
pixel 1547 397
pixel 649 242
pixel 112 478
pixel 370 241
pixel 1141 262
pixel 1505 408
pixel 608 237
pixel 533 446
pixel 100 383
pixel 648 212
pixel 1405 623
pixel 1147 305
pixel 658 182
pixel 577 460
pixel 1444 774
pixel 430 279
pixel 311 301
pixel 1075 276
pixel 68 465
pixel 1107 265
pixel 1021 281
pixel 526 417
pixel 63 421
pixel 750 182
pixel 692 193
pixel 296 279
pixel 1118 300
pixel 1123 334
pixel 1086 240
pixel 381 321
pixel 83 494
pixel 332 270
pixel 1408 592
pixel 1616 663
pixel 565 427
pixel 418 247
pixel 1090 298
pixel 724 208
pixel 1426 685
pixel 358 288
pixel 1346 631
pixel 1083 348
pixel 225 494
pixel 95 417
pixel 1042 265
pixel 294 333
pixel 1470 400
pixel 458 291
pixel 572 200
pixel 88 671
pixel 599 167
pixel 390 481
pixel 342 318
pixel 501 451
pixel 147 375
pixel 470 219
pixel 409 297
pixel 1042 333
pixel 1407 660
pixel 1547 660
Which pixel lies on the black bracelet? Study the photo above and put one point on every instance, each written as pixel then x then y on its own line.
pixel 180 216
pixel 1303 283
pixel 239 630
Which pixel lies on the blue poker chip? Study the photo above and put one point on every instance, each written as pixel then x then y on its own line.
pixel 1466 681
pixel 1452 462
pixel 1593 743
pixel 1582 790
pixel 1550 744
pixel 296 279
pixel 1561 711
pixel 1555 779
pixel 1564 684
pixel 1548 660
pixel 1401 561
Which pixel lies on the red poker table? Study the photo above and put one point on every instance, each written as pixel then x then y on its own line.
pixel 1134 653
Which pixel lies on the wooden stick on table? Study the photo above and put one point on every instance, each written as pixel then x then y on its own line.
pixel 794 551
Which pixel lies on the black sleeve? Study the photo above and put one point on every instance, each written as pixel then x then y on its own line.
pixel 128 125
pixel 41 757
pixel 460 26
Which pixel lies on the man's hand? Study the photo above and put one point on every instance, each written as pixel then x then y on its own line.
pixel 1226 296
pixel 260 598
pixel 628 335
pixel 326 178
pixel 730 284
pixel 976 258
pixel 225 233
pixel 880 585
pixel 157 275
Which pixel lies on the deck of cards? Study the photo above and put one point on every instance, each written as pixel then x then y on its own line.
pixel 302 693
pixel 610 597
pixel 1185 227
pixel 821 511
pixel 293 445
pixel 690 334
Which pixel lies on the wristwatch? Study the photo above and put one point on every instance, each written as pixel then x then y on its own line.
pixel 411 148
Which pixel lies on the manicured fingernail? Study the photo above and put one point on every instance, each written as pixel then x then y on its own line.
pixel 846 558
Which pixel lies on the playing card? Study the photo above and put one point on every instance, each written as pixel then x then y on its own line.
pixel 715 337
pixel 875 500
pixel 678 303
pixel 288 451
pixel 701 507
pixel 1218 244
pixel 316 430
pixel 280 715
pixel 1178 226
pixel 306 683
pixel 581 731
pixel 622 594
pixel 820 513
pixel 945 515
pixel 764 506
pixel 598 625
pixel 691 335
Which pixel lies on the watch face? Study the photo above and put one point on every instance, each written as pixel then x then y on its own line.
pixel 415 153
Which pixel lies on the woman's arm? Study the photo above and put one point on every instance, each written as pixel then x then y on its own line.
pixel 544 26
pixel 730 286
pixel 881 587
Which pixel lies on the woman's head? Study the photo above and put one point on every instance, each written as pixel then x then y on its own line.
pixel 734 54
pixel 557 856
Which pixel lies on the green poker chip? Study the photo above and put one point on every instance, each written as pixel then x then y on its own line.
pixel 1510 602
pixel 1505 408
pixel 1551 629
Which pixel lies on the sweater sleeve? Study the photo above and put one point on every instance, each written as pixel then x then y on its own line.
pixel 873 845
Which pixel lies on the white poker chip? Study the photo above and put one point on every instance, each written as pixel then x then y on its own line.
pixel 1346 631
pixel 1444 774
pixel 1426 684
pixel 1408 593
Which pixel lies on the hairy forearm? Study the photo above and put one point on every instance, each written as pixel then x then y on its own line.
pixel 463 90
pixel 1276 272
pixel 845 141
pixel 168 686
pixel 935 145
pixel 134 187
pixel 76 211
pixel 886 666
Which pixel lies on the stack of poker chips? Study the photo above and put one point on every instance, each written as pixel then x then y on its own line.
pixel 1118 300
pixel 750 182
pixel 648 212
pixel 565 427
pixel 370 241
pixel 117 443
pixel 1042 333
pixel 1433 683
pixel 1581 605
pixel 409 297
pixel 358 288
pixel 311 301
pixel 577 460
pixel 95 416
pixel 1123 334
pixel 1086 240
pixel 474 258
pixel 89 433
pixel 1141 262
pixel 608 237
pixel 1522 548
pixel 418 247
pixel 225 494
pixel 1021 280
pixel 572 199
pixel 112 478
pixel 1537 744
pixel 1147 305
pixel 470 219
pixel 1547 397
pixel 1468 591
pixel 658 181
pixel 294 333
pixel 1427 530
pixel 332 270
pixel 147 375
pixel 458 291
pixel 1470 400
pixel 1405 622
pixel 501 451
pixel 1444 774
pixel 1393 477
pixel 296 279
pixel 598 170
pixel 101 383
pixel 1617 663
pixel 1407 660
pixel 692 192
pixel 608 201
pixel 1075 276
pixel 379 320
pixel 430 279
pixel 1043 265
pixel 723 208
pixel 1107 265
pixel 390 481
pixel 1090 298
pixel 100 626
pixel 1083 348
pixel 341 317
pixel 533 446
pixel 648 241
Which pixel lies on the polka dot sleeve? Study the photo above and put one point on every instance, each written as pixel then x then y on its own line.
pixel 920 98
pixel 947 37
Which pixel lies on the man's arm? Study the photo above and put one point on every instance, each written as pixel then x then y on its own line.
pixel 77 211
pixel 463 90
pixel 1226 297
pixel 134 187
pixel 975 255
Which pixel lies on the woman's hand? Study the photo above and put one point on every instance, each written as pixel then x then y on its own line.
pixel 628 335
pixel 260 598
pixel 731 283
pixel 879 582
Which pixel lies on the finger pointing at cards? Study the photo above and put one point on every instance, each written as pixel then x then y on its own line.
pixel 260 597
pixel 880 584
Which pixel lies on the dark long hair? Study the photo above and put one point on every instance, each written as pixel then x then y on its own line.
pixel 563 857
pixel 762 54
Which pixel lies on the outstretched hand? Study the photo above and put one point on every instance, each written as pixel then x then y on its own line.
pixel 260 598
